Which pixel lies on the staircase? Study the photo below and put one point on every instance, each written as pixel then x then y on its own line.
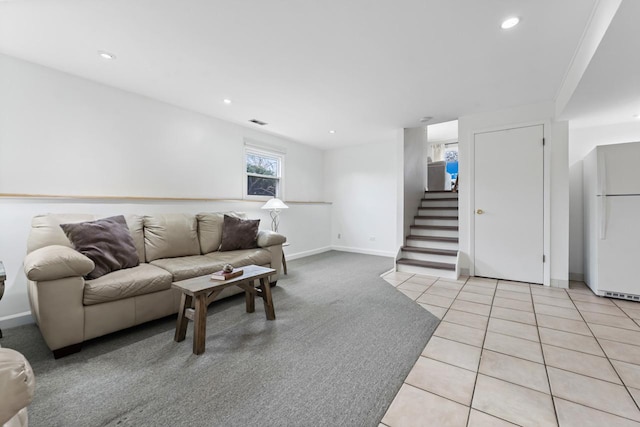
pixel 432 245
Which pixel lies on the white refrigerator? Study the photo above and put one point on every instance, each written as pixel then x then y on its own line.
pixel 612 220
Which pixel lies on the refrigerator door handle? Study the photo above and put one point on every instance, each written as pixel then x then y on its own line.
pixel 603 196
pixel 603 217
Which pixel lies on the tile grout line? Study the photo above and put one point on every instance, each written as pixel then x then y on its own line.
pixel 475 383
pixel 608 359
pixel 636 321
pixel 546 370
pixel 439 322
pixel 538 327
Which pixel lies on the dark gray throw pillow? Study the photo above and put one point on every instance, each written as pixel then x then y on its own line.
pixel 107 242
pixel 239 233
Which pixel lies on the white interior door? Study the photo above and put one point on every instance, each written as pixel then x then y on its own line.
pixel 509 204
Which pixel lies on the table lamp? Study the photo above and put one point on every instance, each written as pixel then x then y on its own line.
pixel 275 205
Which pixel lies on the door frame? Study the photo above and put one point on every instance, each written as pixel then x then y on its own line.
pixel 546 220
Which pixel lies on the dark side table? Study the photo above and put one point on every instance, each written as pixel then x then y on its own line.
pixel 3 277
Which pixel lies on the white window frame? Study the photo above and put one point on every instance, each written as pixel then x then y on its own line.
pixel 251 148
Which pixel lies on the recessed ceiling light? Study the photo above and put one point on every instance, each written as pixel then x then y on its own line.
pixel 332 131
pixel 426 119
pixel 106 55
pixel 226 101
pixel 510 22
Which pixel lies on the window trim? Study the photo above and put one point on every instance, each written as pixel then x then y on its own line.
pixel 262 150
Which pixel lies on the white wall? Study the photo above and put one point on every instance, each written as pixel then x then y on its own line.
pixel 415 173
pixel 362 184
pixel 97 140
pixel 581 142
pixel 556 191
pixel 63 135
pixel 559 153
pixel 576 223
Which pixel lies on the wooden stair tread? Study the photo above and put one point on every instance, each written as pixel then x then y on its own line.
pixel 440 207
pixel 439 199
pixel 436 227
pixel 435 217
pixel 441 191
pixel 447 252
pixel 436 238
pixel 427 264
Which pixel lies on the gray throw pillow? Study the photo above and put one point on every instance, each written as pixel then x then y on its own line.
pixel 239 233
pixel 107 242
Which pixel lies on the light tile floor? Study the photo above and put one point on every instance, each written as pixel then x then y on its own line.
pixel 508 353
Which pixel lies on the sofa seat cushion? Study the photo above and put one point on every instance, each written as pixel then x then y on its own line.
pixel 126 283
pixel 239 258
pixel 187 267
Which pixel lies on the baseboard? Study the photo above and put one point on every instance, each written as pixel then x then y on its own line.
pixel 303 254
pixel 464 272
pixel 576 277
pixel 14 320
pixel 364 251
pixel 387 272
pixel 559 283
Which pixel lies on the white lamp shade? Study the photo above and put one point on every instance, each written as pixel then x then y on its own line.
pixel 276 204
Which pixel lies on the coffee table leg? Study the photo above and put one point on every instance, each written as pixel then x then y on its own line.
pixel 284 263
pixel 200 324
pixel 181 326
pixel 250 299
pixel 268 301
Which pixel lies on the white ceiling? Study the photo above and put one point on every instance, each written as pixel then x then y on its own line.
pixel 362 68
pixel 609 91
pixel 443 132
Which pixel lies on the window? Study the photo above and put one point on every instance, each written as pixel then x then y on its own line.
pixel 263 171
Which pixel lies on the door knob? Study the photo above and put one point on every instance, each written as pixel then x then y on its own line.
pixel 479 211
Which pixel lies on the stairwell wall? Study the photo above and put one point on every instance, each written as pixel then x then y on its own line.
pixel 414 172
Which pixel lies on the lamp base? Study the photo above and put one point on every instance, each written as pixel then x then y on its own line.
pixel 275 220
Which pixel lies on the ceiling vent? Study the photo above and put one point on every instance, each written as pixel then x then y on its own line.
pixel 258 122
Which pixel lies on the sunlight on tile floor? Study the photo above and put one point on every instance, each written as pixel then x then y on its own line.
pixel 508 353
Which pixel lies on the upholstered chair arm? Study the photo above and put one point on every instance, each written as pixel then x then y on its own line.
pixel 268 238
pixel 16 384
pixel 56 262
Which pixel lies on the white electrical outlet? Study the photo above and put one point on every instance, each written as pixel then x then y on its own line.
pixel 372 238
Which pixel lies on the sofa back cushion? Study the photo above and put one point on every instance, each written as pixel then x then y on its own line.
pixel 46 231
pixel 136 228
pixel 170 235
pixel 210 229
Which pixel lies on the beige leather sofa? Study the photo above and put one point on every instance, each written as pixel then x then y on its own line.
pixel 69 309
pixel 17 385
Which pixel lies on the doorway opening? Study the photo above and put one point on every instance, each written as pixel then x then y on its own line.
pixel 442 156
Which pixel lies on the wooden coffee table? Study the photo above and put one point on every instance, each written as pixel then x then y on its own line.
pixel 199 292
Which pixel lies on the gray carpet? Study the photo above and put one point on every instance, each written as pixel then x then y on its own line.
pixel 341 346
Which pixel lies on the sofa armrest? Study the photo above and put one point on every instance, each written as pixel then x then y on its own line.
pixel 16 384
pixel 268 238
pixel 56 262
